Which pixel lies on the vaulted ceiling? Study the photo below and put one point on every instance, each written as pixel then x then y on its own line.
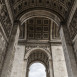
pixel 59 7
pixel 39 28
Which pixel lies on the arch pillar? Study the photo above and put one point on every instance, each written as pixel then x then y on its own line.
pixel 25 30
pixel 51 68
pixel 51 30
pixel 25 68
pixel 8 63
pixel 27 73
pixel 68 51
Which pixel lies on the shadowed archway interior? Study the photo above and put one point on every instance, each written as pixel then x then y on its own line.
pixel 38 56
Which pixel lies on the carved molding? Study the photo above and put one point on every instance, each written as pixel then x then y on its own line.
pixel 28 47
pixel 4 19
pixel 60 7
pixel 73 26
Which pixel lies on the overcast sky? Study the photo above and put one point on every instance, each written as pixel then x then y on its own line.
pixel 37 70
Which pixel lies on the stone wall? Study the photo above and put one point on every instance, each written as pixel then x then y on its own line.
pixel 75 46
pixel 5 31
pixel 2 49
pixel 8 63
pixel 18 63
pixel 59 66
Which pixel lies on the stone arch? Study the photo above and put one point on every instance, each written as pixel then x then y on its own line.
pixel 40 13
pixel 35 49
pixel 38 55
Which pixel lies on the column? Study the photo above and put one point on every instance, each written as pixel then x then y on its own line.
pixel 25 30
pixel 46 72
pixel 27 72
pixel 8 63
pixel 51 30
pixel 68 52
pixel 18 69
pixel 50 61
pixel 50 68
pixel 59 65
pixel 25 68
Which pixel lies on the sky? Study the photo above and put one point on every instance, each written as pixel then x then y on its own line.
pixel 37 70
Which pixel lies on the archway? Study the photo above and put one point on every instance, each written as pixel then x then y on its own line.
pixel 35 48
pixel 39 55
pixel 62 33
pixel 39 13
pixel 61 10
pixel 44 45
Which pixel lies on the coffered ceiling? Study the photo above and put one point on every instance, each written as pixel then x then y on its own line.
pixel 38 28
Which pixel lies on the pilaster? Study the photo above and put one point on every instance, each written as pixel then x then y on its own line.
pixel 51 30
pixel 25 68
pixel 25 30
pixel 8 63
pixel 51 68
pixel 68 52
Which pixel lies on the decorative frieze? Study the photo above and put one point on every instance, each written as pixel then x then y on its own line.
pixel 4 19
pixel 73 26
pixel 38 56
pixel 31 46
pixel 61 7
